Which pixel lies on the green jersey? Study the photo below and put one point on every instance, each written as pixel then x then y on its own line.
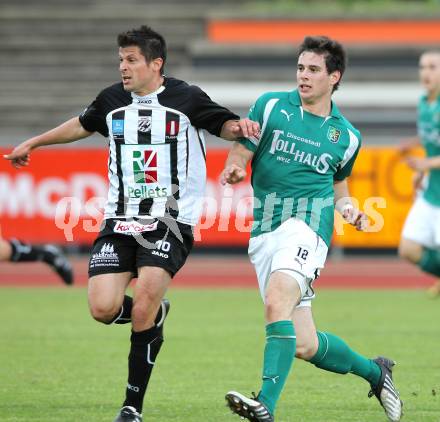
pixel 296 160
pixel 428 126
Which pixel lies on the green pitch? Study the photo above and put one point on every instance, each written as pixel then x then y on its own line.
pixel 57 364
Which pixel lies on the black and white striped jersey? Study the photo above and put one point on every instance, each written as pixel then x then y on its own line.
pixel 157 159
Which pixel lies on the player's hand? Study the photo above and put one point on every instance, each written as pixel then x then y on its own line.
pixel 417 180
pixel 356 218
pixel 405 147
pixel 232 174
pixel 246 128
pixel 418 163
pixel 20 155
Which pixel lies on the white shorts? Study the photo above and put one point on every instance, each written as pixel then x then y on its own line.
pixel 422 225
pixel 293 248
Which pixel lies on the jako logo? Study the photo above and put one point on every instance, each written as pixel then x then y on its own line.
pixel 133 388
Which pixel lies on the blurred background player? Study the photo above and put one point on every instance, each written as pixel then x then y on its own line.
pixel 14 250
pixel 420 241
pixel 300 165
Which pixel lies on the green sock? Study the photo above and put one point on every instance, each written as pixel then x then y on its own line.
pixel 430 261
pixel 334 355
pixel 278 357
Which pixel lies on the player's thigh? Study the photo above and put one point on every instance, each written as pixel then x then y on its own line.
pixel 106 293
pixel 112 265
pixel 159 256
pixel 420 224
pixel 293 249
pixel 163 249
pixel 305 329
pixel 152 283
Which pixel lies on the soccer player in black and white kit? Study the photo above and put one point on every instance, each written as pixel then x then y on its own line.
pixel 157 175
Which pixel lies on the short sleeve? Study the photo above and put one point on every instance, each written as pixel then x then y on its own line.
pixel 207 114
pixel 93 117
pixel 256 113
pixel 351 153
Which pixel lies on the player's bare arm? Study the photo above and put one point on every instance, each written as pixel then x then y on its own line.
pixel 345 207
pixel 69 131
pixel 407 144
pixel 235 166
pixel 243 128
pixel 422 164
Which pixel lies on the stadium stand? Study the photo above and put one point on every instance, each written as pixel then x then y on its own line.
pixel 57 54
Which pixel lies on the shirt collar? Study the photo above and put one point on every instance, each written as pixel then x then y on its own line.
pixel 295 99
pixel 425 99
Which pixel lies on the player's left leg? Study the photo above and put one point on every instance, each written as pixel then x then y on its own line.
pixel 146 338
pixel 329 352
pixel 281 296
pixel 158 260
pixel 420 240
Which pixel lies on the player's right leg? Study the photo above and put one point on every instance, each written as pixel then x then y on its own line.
pixel 284 282
pixel 106 294
pixel 281 296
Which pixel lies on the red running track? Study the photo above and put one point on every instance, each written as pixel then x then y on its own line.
pixel 236 272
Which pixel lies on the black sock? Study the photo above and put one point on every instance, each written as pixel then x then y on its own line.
pixel 124 314
pixel 24 252
pixel 145 346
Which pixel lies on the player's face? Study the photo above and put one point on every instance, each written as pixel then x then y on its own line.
pixel 314 82
pixel 429 71
pixel 137 75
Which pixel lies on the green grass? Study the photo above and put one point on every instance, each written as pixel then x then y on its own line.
pixel 58 364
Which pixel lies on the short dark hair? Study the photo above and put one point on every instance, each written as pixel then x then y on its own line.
pixel 334 54
pixel 151 43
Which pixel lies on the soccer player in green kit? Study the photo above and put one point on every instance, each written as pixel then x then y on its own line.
pixel 420 241
pixel 300 162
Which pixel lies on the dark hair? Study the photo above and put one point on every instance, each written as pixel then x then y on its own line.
pixel 151 43
pixel 334 54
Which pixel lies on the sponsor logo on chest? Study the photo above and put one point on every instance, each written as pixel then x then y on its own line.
pixel 145 166
pixel 321 163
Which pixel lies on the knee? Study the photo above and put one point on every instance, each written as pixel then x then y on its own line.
pixel 145 307
pixel 275 311
pixel 270 310
pixel 306 350
pixel 104 313
pixel 410 253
